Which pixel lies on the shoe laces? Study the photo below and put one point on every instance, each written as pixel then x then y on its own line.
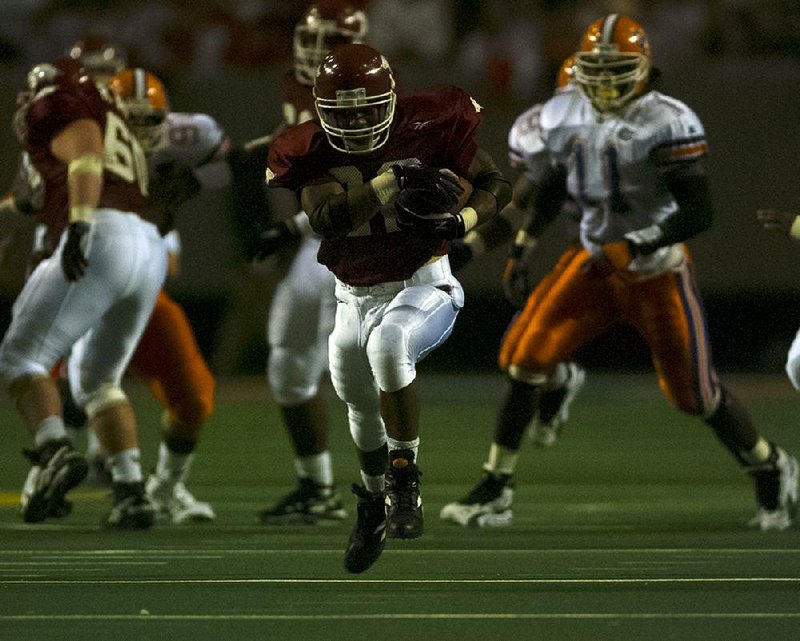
pixel 403 485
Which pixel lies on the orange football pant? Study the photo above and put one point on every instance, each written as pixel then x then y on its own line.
pixel 570 307
pixel 169 361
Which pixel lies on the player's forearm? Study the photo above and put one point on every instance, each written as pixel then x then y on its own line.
pixel 694 214
pixel 334 212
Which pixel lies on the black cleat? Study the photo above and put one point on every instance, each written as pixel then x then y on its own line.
pixel 369 534
pixel 308 503
pixel 132 510
pixel 57 468
pixel 403 502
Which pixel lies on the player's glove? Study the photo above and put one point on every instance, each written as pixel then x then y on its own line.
pixel 273 239
pixel 73 260
pixel 442 185
pixel 460 254
pixel 172 184
pixel 417 211
pixel 517 281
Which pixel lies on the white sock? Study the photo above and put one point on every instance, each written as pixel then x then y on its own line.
pixel 317 467
pixel 126 466
pixel 501 459
pixel 50 429
pixel 394 444
pixel 171 466
pixel 374 484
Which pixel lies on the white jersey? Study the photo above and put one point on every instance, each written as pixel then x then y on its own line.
pixel 190 139
pixel 614 163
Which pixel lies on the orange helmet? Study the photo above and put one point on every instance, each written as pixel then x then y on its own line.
pixel 613 63
pixel 145 99
pixel 325 23
pixel 566 72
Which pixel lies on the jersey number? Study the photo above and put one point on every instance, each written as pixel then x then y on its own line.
pixel 615 201
pixel 123 155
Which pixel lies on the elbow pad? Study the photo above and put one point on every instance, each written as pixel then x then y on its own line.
pixel 495 183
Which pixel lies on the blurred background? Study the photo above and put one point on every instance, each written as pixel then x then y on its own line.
pixel 735 62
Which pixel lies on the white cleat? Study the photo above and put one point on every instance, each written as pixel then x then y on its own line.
pixel 174 502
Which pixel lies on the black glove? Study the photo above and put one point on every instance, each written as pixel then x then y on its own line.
pixel 460 254
pixel 443 186
pixel 172 184
pixel 517 282
pixel 73 262
pixel 273 239
pixel 416 211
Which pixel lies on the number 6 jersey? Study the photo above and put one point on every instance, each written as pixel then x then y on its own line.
pixel 124 167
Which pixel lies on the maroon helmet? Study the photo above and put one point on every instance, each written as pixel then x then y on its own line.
pixel 60 71
pixel 354 93
pixel 325 24
pixel 100 58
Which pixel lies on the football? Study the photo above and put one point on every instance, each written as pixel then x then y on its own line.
pixel 463 198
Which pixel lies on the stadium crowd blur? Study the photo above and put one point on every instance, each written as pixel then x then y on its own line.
pixel 736 60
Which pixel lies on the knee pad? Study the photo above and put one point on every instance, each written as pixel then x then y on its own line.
pixel 366 428
pixel 793 369
pixel 293 375
pixel 390 358
pixel 105 396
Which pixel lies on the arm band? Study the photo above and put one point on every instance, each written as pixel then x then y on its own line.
pixel 794 230
pixel 85 164
pixel 81 213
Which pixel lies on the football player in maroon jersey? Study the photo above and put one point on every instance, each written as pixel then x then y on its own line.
pixel 93 296
pixel 382 179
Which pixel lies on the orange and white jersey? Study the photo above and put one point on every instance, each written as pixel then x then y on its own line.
pixel 191 139
pixel 615 162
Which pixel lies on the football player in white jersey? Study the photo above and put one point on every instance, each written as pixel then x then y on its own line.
pixel 788 224
pixel 303 307
pixel 551 410
pixel 181 150
pixel 633 160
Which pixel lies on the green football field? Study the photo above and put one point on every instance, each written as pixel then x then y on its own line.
pixel 632 527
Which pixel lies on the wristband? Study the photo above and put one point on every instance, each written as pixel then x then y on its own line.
pixel 525 240
pixel 384 186
pixel 794 230
pixel 470 217
pixel 81 213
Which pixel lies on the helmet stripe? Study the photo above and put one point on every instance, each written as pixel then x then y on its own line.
pixel 139 83
pixel 609 24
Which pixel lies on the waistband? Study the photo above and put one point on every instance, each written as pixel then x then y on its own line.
pixel 434 272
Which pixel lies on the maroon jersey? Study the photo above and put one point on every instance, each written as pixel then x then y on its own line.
pixel 298 101
pixel 124 166
pixel 435 128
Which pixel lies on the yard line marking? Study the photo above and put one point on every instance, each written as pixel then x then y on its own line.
pixel 215 553
pixel 389 617
pixel 276 581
